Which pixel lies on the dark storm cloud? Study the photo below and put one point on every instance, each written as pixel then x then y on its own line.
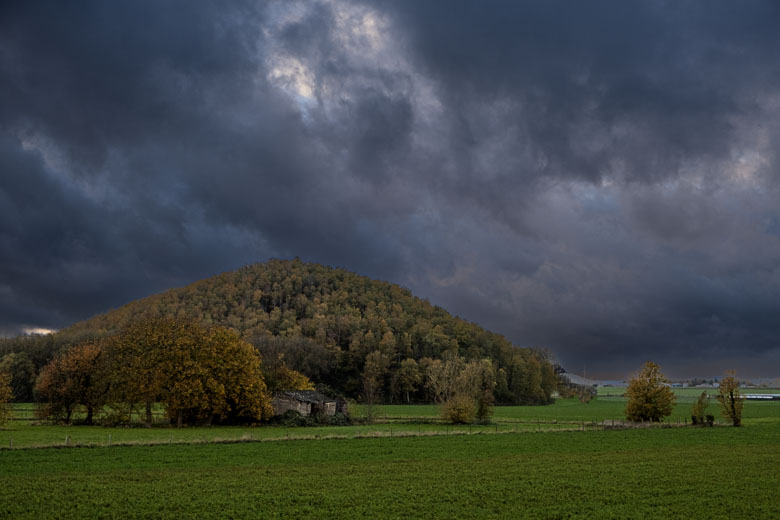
pixel 598 178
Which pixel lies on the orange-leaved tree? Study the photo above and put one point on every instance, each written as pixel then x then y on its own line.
pixel 70 380
pixel 649 398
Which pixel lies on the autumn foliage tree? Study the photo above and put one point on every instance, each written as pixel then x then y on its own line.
pixel 72 380
pixel 731 399
pixel 464 389
pixel 649 398
pixel 278 376
pixel 198 374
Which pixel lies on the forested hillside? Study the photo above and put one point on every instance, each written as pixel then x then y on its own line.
pixel 332 325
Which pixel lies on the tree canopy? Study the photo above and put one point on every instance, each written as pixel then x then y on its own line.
pixel 330 325
pixel 198 374
pixel 649 398
pixel 72 379
pixel 731 399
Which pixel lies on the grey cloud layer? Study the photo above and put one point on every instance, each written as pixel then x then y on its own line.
pixel 597 178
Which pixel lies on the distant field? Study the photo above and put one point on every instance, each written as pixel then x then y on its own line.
pixel 678 472
pixel 685 393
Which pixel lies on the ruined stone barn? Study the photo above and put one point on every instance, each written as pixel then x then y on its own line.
pixel 305 402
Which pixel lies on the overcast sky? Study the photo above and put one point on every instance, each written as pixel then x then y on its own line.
pixel 599 178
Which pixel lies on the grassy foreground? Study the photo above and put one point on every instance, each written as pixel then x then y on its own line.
pixel 680 472
pixel 532 468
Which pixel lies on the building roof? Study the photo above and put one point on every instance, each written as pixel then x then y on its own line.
pixel 307 396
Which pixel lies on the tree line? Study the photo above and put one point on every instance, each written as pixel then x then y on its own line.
pixel 199 375
pixel 335 327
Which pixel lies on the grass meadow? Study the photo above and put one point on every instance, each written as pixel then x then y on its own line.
pixel 532 462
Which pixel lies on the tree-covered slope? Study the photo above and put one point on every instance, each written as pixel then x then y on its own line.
pixel 326 322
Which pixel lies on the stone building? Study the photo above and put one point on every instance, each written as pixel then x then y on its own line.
pixel 305 402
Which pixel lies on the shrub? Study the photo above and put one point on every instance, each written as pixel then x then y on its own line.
pixel 339 419
pixel 459 409
pixel 698 408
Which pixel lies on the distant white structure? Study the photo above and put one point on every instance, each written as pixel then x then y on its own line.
pixel 763 397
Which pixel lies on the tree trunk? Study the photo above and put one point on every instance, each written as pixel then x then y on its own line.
pixel 180 419
pixel 89 416
pixel 148 414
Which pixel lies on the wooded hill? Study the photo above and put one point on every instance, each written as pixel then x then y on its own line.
pixel 329 324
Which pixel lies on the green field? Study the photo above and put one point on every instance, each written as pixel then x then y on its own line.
pixel 678 472
pixel 529 470
pixel 393 420
pixel 684 393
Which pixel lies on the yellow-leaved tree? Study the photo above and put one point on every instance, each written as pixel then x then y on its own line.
pixel 649 398
pixel 199 375
pixel 731 399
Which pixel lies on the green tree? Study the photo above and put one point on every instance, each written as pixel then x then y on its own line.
pixel 5 396
pixel 22 371
pixel 731 399
pixel 699 409
pixel 409 377
pixel 374 374
pixel 649 398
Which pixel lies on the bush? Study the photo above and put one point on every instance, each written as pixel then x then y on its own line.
pixel 698 409
pixel 460 409
pixel 339 419
pixel 294 419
